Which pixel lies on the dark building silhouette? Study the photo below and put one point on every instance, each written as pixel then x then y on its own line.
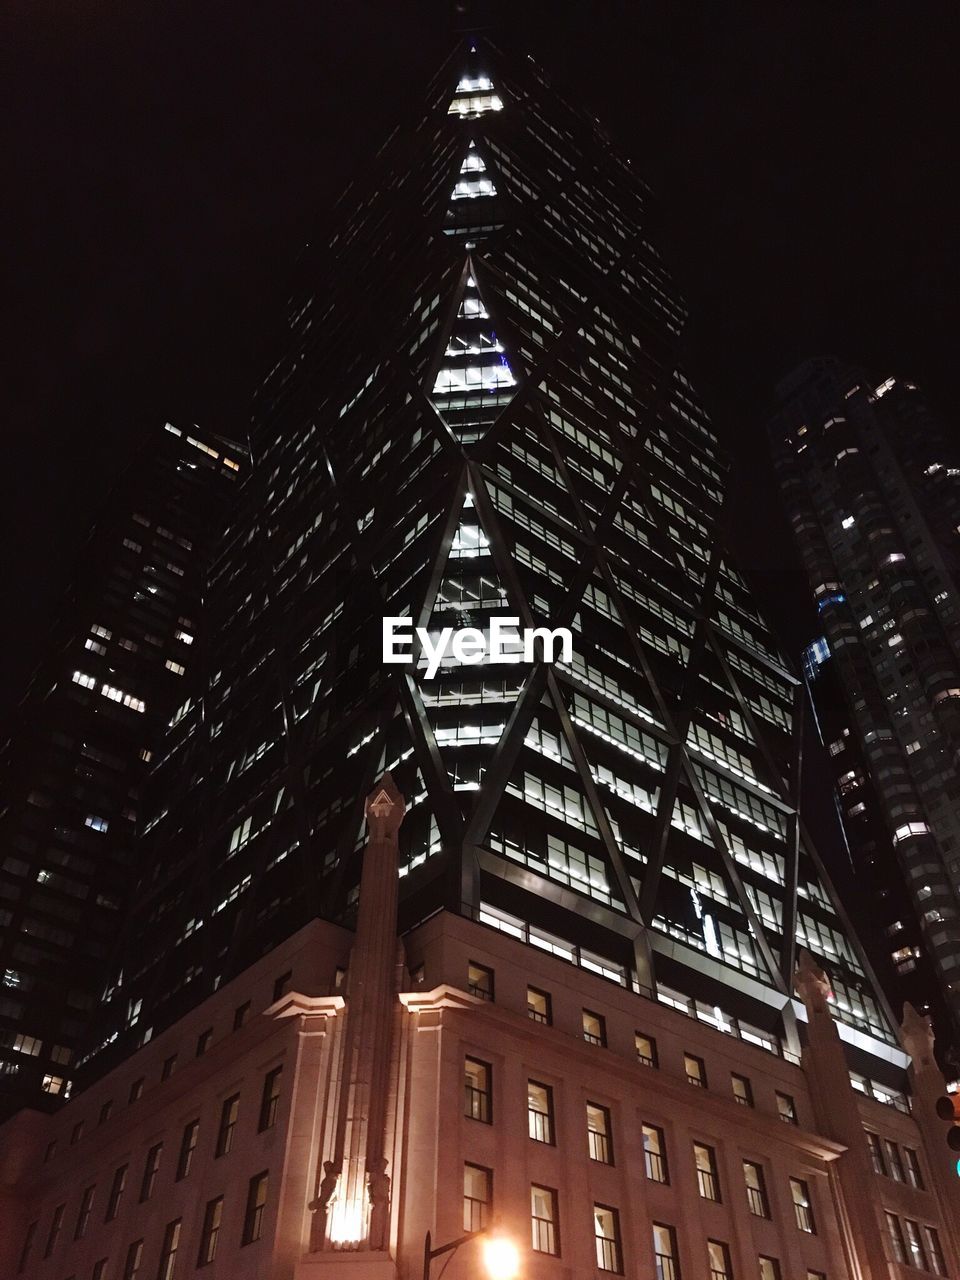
pixel 483 415
pixel 871 484
pixel 83 738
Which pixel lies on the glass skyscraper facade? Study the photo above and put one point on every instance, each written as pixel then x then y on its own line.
pixel 482 414
pixel 81 743
pixel 871 484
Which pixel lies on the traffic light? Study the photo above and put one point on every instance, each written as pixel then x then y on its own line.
pixel 948 1108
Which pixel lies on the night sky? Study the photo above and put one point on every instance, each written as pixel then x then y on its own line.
pixel 163 163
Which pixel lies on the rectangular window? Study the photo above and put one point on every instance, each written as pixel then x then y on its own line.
pixel 203 1041
pixel 606 1234
pixel 916 1254
pixel 228 1123
pixel 256 1203
pixel 116 1193
pixel 27 1246
pixel 76 1133
pixel 270 1099
pixel 599 1134
pixel 168 1250
pixel 544 1227
pixel 695 1069
pixel 210 1232
pixel 478 1081
pixel 802 1208
pixel 938 1263
pixel 895 1235
pixel 105 1111
pixel 168 1066
pixel 282 985
pixel 655 1154
pixel 150 1170
pixel 136 1090
pixel 742 1090
pixel 188 1144
pixel 131 1267
pixel 718 1261
pixel 99 1271
pixel 786 1108
pixel 477 1196
pixel 83 1213
pixel 646 1048
pixel 480 981
pixel 816 1275
pixel 538 1006
pixel 240 1015
pixel 56 1222
pixel 911 1164
pixel 876 1153
pixel 665 1256
pixel 540 1111
pixel 594 1028
pixel 893 1160
pixel 708 1184
pixel 770 1269
pixel 757 1201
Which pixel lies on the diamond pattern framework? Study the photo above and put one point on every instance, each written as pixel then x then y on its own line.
pixel 483 413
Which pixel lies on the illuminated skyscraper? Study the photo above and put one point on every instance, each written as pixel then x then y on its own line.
pixel 482 414
pixel 84 735
pixel 871 484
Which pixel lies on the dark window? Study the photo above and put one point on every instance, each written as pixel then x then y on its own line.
pixel 718 1260
pixel 50 1151
pixel 893 1160
pixel 938 1262
pixel 911 1165
pixel 270 1099
pixel 756 1189
pixel 105 1112
pixel 131 1268
pixel 203 1041
pixel 136 1090
pixel 228 1123
pixel 240 1015
pixel 168 1066
pixel 99 1269
pixel 480 981
pixel 56 1222
pixel 665 1256
pixel 594 1028
pixel 802 1207
pixel 646 1048
pixel 708 1184
pixel 742 1090
pixel 895 1233
pixel 188 1144
pixel 606 1235
pixel 599 1134
pixel 786 1108
pixel 168 1250
pixel 876 1153
pixel 76 1133
pixel 150 1170
pixel 540 1111
pixel 116 1193
pixel 83 1213
pixel 655 1154
pixel 477 1196
pixel 210 1231
pixel 282 985
pixel 256 1203
pixel 695 1070
pixel 544 1225
pixel 538 1006
pixel 478 1079
pixel 27 1246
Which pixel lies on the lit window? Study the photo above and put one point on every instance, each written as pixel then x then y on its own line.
pixel 606 1233
pixel 210 1231
pixel 477 1196
pixel 228 1123
pixel 168 1250
pixel 718 1261
pixel 480 981
pixel 96 823
pixel 706 1165
pixel 655 1154
pixel 177 668
pixel 786 1108
pixel 646 1048
pixel 540 1111
pixel 695 1070
pixel 270 1099
pixel 594 1028
pixel 544 1231
pixel 802 1208
pixel 665 1256
pixel 478 1090
pixel 770 1269
pixel 599 1141
pixel 131 1268
pixel 756 1189
pixel 742 1089
pixel 538 1006
pixel 256 1203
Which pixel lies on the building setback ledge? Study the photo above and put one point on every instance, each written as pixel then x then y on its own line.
pixel 295 1003
pixel 442 997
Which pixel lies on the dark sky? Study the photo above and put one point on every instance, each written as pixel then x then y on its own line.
pixel 163 162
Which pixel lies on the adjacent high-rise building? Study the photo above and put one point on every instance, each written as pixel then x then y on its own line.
pixel 484 962
pixel 871 485
pixel 82 740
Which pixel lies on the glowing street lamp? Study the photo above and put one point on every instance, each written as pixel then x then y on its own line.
pixel 501 1257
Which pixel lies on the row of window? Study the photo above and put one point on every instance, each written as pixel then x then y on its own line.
pixel 541 1127
pixel 480 983
pixel 900 1163
pixel 133 1262
pixel 915 1244
pixel 545 1232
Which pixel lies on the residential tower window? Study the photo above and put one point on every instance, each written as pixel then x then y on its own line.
pixel 168 1250
pixel 210 1232
pixel 538 1006
pixel 544 1226
pixel 695 1070
pixel 116 1193
pixel 228 1123
pixel 188 1144
pixel 770 1269
pixel 606 1234
pixel 802 1208
pixel 786 1108
pixel 665 1256
pixel 477 1196
pixel 270 1099
pixel 756 1189
pixel 742 1090
pixel 131 1267
pixel 655 1154
pixel 599 1137
pixel 480 981
pixel 478 1079
pixel 646 1048
pixel 151 1168
pixel 708 1184
pixel 83 1213
pixel 540 1111
pixel 594 1028
pixel 256 1203
pixel 718 1261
